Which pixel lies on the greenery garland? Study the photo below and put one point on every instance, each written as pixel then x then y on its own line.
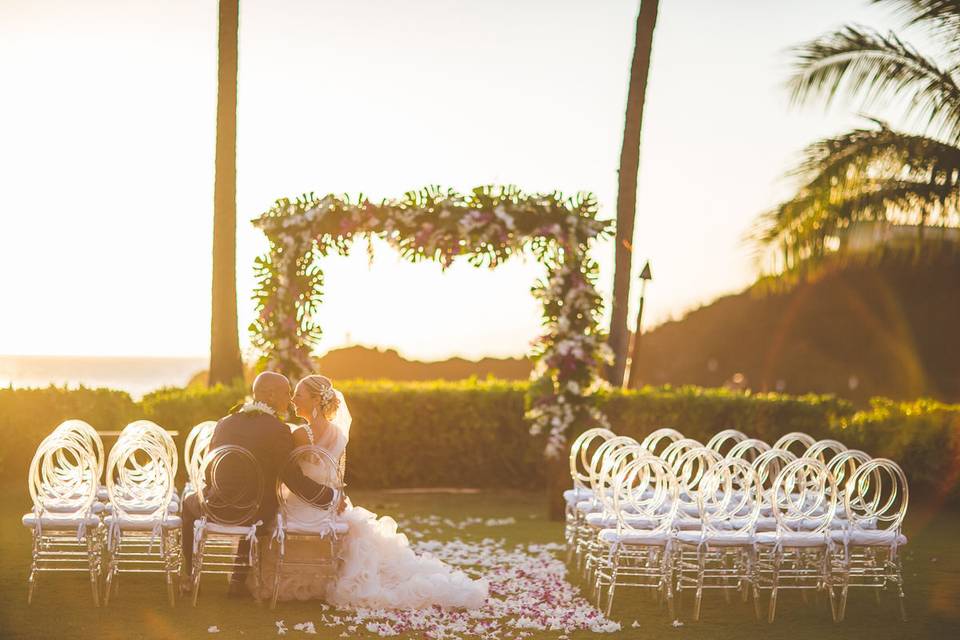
pixel 488 226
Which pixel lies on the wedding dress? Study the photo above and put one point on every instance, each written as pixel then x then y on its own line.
pixel 377 568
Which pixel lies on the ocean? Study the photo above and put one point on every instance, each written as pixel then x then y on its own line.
pixel 135 375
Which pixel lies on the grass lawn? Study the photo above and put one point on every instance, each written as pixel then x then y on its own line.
pixel 507 521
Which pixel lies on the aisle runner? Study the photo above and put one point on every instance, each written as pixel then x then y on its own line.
pixel 528 592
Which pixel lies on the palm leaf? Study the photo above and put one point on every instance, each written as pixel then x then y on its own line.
pixel 871 67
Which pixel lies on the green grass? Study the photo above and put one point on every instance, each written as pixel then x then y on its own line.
pixel 62 606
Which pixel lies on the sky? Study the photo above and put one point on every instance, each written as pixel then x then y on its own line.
pixel 107 150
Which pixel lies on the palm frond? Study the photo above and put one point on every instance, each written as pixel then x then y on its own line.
pixel 869 66
pixel 941 18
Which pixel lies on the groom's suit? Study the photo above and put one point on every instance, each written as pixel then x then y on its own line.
pixel 270 441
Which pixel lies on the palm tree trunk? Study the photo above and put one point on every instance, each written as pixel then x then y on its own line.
pixel 225 363
pixel 627 190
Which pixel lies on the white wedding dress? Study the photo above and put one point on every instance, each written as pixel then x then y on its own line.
pixel 377 569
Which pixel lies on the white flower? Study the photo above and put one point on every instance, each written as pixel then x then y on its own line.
pixel 281 629
pixel 213 629
pixel 501 212
pixel 257 406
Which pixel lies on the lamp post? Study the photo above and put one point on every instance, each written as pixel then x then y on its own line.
pixel 632 375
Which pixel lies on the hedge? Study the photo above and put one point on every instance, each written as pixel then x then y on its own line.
pixel 472 433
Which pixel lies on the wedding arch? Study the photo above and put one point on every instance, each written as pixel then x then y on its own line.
pixel 488 225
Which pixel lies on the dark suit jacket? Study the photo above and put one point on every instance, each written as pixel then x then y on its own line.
pixel 270 441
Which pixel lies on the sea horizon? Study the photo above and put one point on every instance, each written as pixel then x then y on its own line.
pixel 137 375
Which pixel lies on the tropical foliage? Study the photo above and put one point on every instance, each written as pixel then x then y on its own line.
pixel 488 226
pixel 906 174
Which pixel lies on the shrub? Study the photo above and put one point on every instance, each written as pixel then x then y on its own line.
pixel 28 415
pixel 472 432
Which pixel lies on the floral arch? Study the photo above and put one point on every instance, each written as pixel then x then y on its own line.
pixel 487 226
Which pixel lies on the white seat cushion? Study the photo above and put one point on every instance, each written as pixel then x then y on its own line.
pixel 143 524
pixel 59 522
pixel 719 538
pixel 589 506
pixel 143 508
pixel 658 538
pixel 798 539
pixel 573 496
pixel 602 520
pixel 225 529
pixel 58 506
pixel 868 538
pixel 338 527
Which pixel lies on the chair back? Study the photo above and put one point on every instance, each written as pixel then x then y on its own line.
pixel 230 486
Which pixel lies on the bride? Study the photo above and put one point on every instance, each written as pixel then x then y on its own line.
pixel 378 569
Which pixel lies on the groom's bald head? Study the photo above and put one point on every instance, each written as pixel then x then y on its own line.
pixel 273 389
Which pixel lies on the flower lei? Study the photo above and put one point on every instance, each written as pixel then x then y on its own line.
pixel 487 225
pixel 257 406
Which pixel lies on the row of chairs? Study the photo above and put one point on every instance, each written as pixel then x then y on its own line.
pixel 670 514
pixel 129 524
pixel 120 513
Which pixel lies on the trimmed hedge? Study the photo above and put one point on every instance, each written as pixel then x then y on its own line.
pixel 472 433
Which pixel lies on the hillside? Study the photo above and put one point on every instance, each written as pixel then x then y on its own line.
pixel 857 331
pixel 361 362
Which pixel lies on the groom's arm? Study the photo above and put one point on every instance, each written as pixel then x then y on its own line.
pixel 306 489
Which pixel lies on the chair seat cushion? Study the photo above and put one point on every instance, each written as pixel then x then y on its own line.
pixel 655 538
pixel 225 529
pixel 70 506
pixel 142 524
pixel 716 538
pixel 868 538
pixel 579 494
pixel 57 522
pixel 143 508
pixel 602 520
pixel 338 528
pixel 795 539
pixel 589 506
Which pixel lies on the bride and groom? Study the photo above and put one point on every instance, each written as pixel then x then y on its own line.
pixel 377 567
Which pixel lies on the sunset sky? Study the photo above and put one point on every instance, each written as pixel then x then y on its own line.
pixel 107 141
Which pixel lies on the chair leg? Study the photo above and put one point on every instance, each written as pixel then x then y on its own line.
pixel 32 580
pixel 197 566
pixel 278 570
pixel 614 572
pixel 93 563
pixel 701 566
pixel 772 610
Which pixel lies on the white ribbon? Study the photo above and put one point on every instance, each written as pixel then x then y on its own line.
pixel 252 538
pixel 278 533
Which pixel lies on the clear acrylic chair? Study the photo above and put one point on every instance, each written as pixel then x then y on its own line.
pixel 875 499
pixel 748 450
pixel 580 453
pixel 795 442
pixel 724 440
pixel 66 533
pixel 658 440
pixel 639 555
pixel 142 535
pixel 797 554
pixel 195 446
pixel 229 490
pixel 825 450
pixel 306 536
pixel 721 553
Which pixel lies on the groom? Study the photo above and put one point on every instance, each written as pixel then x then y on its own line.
pixel 257 429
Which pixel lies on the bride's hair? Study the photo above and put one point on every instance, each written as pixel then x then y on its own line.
pixel 320 388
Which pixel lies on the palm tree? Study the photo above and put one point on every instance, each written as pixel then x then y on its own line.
pixel 907 176
pixel 225 363
pixel 627 188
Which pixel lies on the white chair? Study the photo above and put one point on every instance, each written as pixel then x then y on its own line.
pixel 66 533
pixel 721 554
pixel 580 453
pixel 795 442
pixel 142 535
pixel 639 556
pixel 659 439
pixel 229 490
pixel 876 499
pixel 315 530
pixel 726 439
pixel 797 554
